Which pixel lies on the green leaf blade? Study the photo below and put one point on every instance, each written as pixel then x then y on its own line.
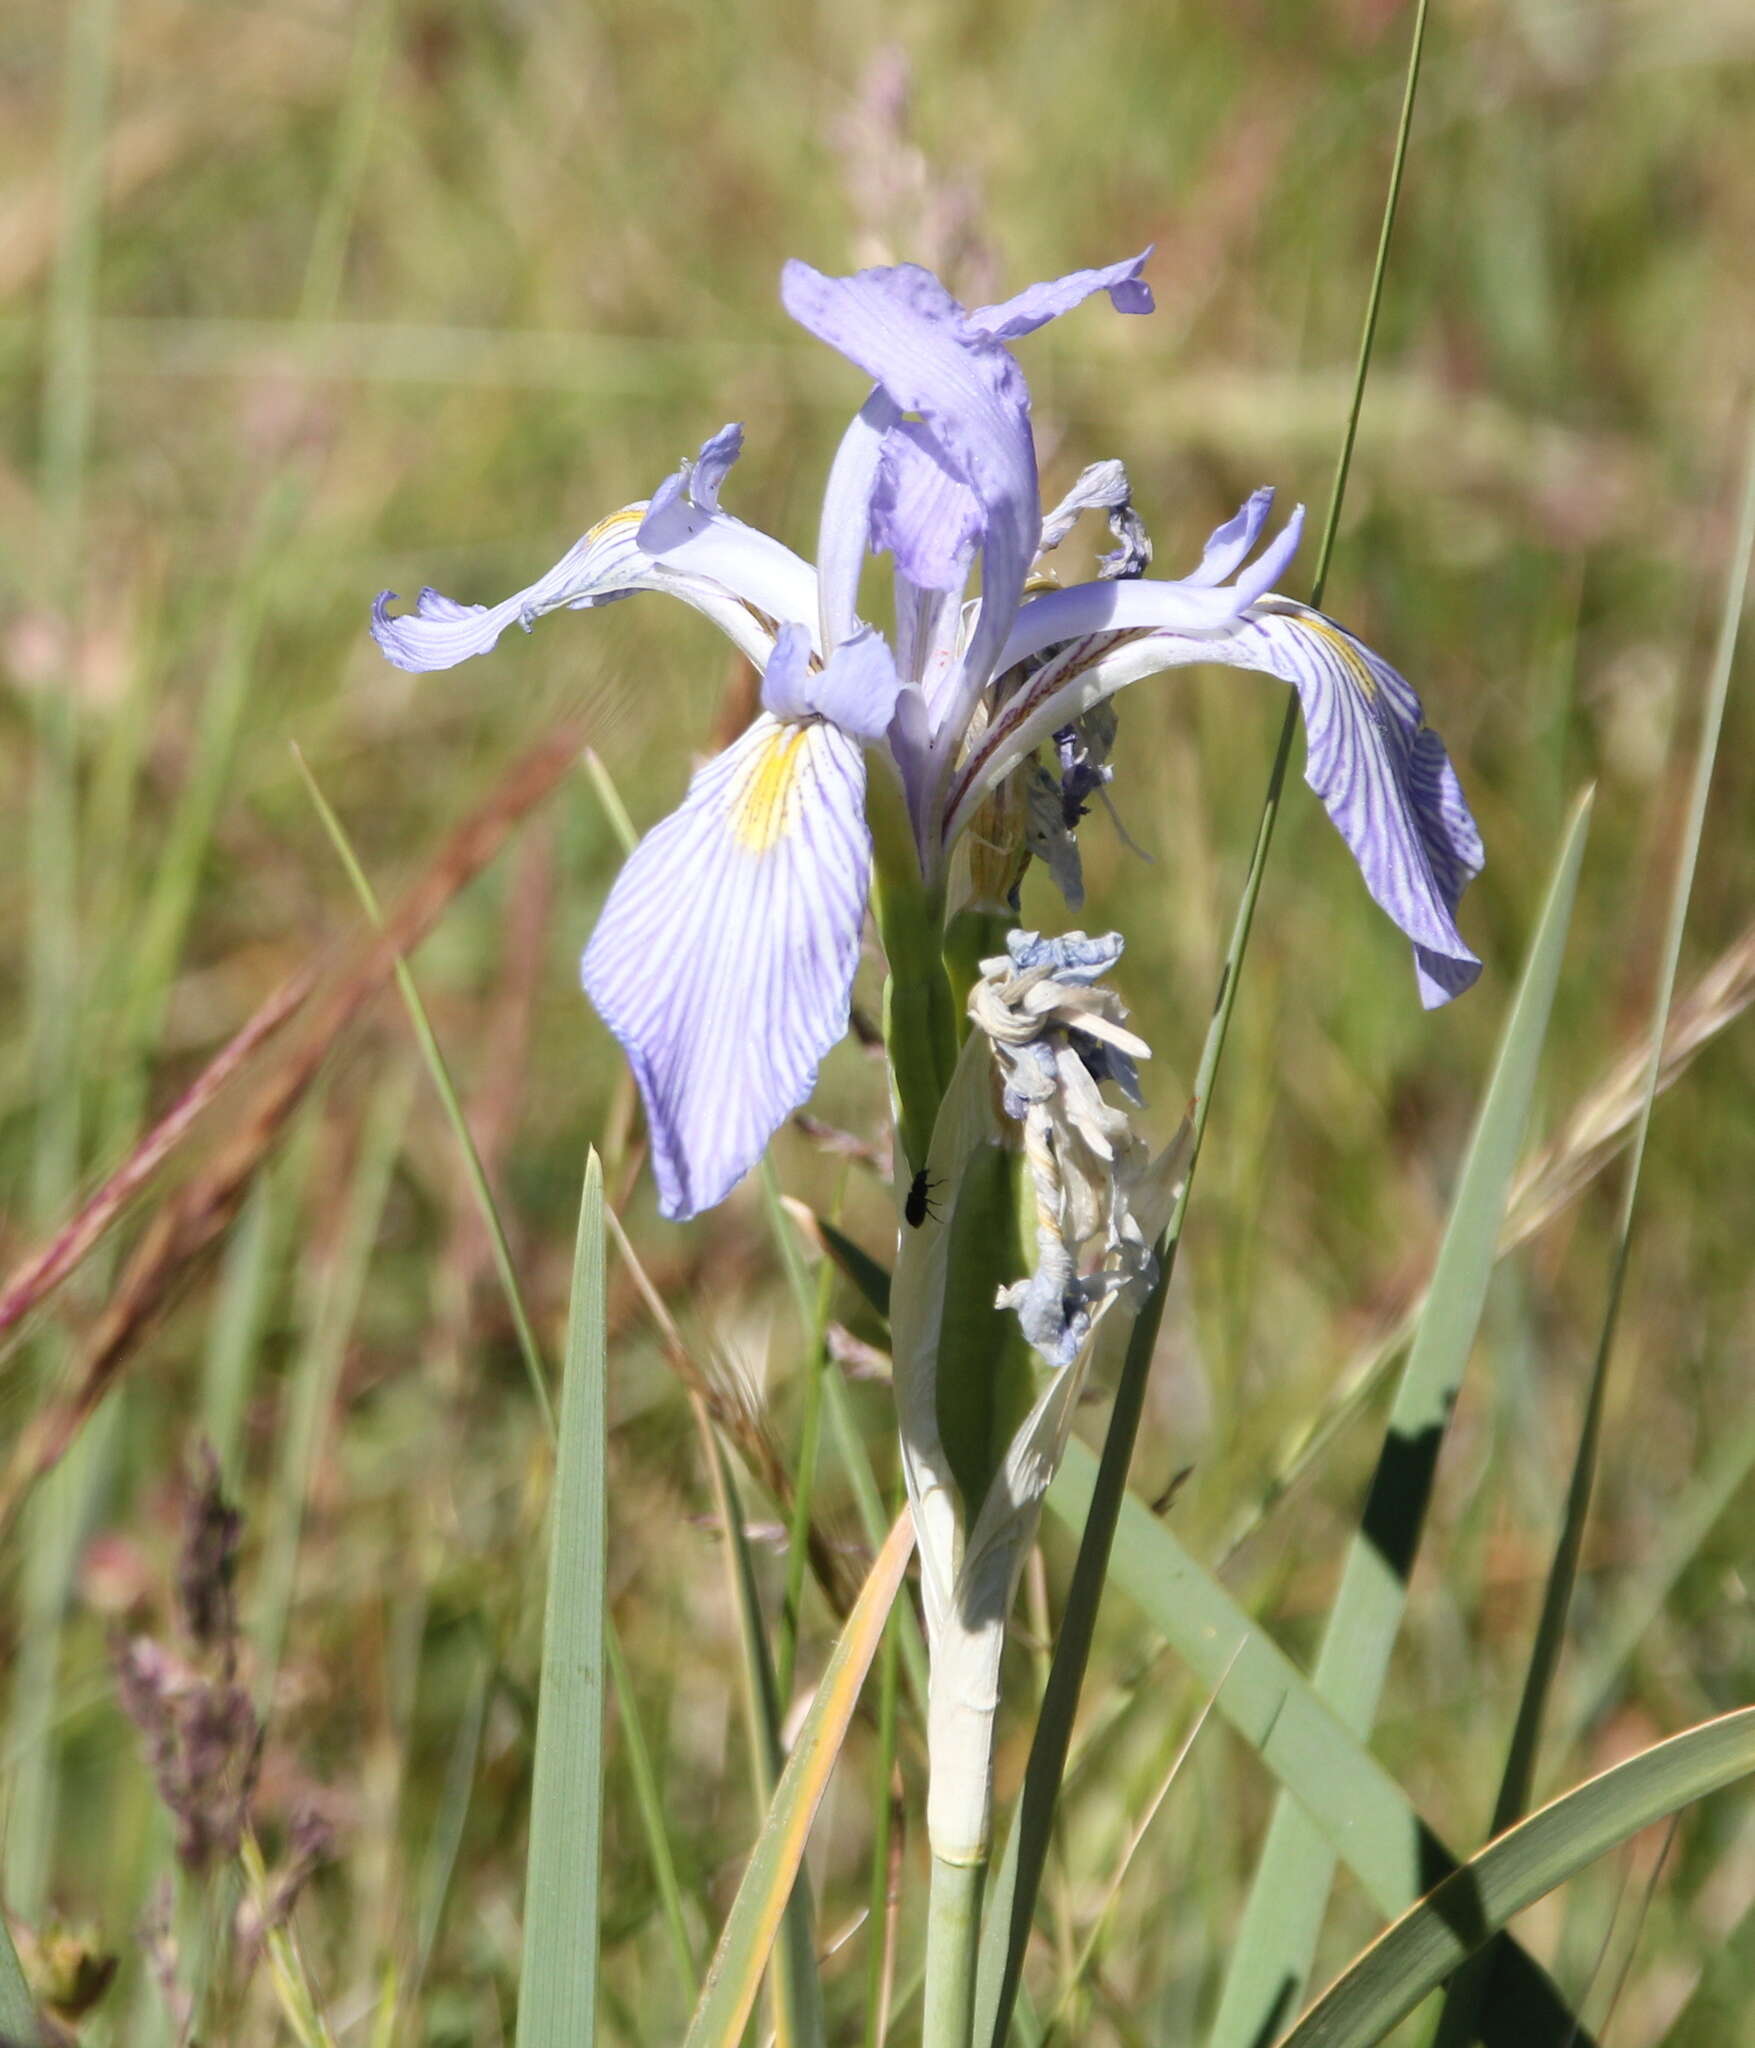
pixel 1276 1943
pixel 557 2000
pixel 1416 1955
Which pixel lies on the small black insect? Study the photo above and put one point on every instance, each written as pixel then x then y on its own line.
pixel 919 1203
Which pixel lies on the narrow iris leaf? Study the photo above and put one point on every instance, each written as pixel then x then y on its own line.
pixel 1457 2023
pixel 1368 1820
pixel 557 1995
pixel 1416 1955
pixel 1277 1942
pixel 798 2012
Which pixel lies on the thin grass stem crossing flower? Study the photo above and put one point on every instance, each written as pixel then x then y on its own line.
pixel 725 955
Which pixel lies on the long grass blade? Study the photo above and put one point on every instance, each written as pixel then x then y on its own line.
pixel 440 1862
pixel 798 2014
pixel 557 1986
pixel 53 856
pixel 1688 1521
pixel 1416 1955
pixel 854 1453
pixel 441 1077
pixel 1012 1903
pixel 311 1384
pixel 1276 1943
pixel 239 1309
pixel 1368 1819
pixel 651 1807
pixel 1457 2024
pixel 812 1306
pixel 754 1920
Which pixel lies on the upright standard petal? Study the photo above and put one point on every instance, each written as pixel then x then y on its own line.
pixel 724 957
pixel 1380 771
pixel 844 536
pixel 905 330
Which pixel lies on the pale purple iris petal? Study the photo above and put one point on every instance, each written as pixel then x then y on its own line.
pixel 923 512
pixel 753 568
pixel 1188 606
pixel 857 687
pixel 737 576
pixel 784 680
pixel 1384 778
pixel 929 624
pixel 904 329
pixel 718 452
pixel 845 532
pixel 604 564
pixel 724 958
pixel 1382 774
pixel 1037 304
pixel 691 489
pixel 1229 545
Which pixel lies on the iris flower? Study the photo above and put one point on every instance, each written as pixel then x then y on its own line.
pixel 724 957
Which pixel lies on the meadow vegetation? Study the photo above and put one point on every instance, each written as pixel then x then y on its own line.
pixel 301 303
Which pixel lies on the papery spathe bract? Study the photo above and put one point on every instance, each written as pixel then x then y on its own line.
pixel 725 954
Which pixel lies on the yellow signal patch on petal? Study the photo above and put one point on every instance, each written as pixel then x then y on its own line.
pixel 1323 628
pixel 763 801
pixel 627 515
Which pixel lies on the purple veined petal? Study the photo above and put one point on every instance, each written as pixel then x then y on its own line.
pixel 905 330
pixel 754 569
pixel 844 535
pixel 1145 603
pixel 1382 774
pixel 604 564
pixel 738 577
pixel 1037 304
pixel 724 958
pixel 1228 547
pixel 923 512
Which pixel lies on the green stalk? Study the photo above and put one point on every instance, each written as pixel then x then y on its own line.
pixel 920 1023
pixel 953 1941
pixel 813 1311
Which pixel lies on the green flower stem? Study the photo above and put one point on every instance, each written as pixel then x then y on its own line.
pixel 972 936
pixel 953 1929
pixel 920 1024
pixel 960 1440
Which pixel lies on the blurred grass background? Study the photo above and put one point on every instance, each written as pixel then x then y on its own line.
pixel 302 303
